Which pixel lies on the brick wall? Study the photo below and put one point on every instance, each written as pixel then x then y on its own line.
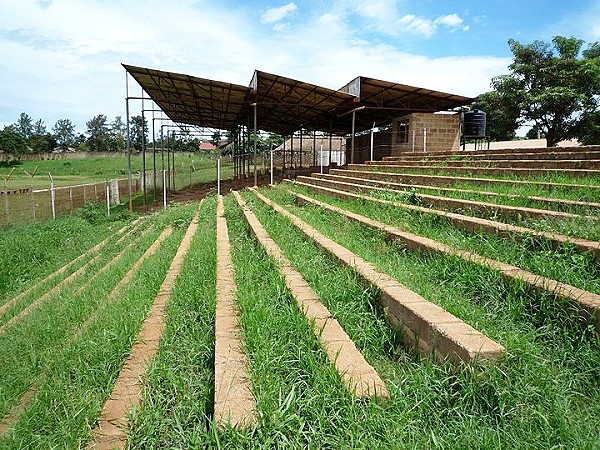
pixel 426 132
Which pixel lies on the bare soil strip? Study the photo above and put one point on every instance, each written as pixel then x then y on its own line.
pixel 428 327
pixel 587 303
pixel 12 416
pixel 504 210
pixel 60 271
pixel 358 375
pixel 469 223
pixel 445 179
pixel 36 303
pixel 127 391
pixel 556 202
pixel 234 401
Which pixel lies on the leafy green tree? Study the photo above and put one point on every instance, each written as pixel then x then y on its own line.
pixel 98 133
pixel 64 132
pixel 501 117
pixel 555 86
pixel 11 142
pixel 42 143
pixel 39 128
pixel 138 132
pixel 216 138
pixel 24 126
pixel 118 135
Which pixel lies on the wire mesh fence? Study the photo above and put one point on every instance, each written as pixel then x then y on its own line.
pixel 28 204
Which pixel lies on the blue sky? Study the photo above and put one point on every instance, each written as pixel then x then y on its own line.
pixel 61 58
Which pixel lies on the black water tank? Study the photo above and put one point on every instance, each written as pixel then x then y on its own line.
pixel 474 123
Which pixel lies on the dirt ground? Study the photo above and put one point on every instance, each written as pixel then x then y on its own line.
pixel 199 191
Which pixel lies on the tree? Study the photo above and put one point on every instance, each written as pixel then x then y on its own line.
pixel 501 117
pixel 12 142
pixel 216 138
pixel 24 126
pixel 64 131
pixel 98 133
pixel 118 135
pixel 42 143
pixel 556 87
pixel 39 128
pixel 138 132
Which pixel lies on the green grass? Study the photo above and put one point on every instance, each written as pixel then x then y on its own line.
pixel 540 397
pixel 79 376
pixel 99 169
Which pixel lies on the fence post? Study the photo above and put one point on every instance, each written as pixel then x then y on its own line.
pixel 219 175
pixel 164 188
pixel 107 200
pixel 52 196
pixel 70 200
pixel 84 198
pixel 271 152
pixel 32 204
pixel 6 208
pixel 95 192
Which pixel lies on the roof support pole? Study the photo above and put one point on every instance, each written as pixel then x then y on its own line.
pixel 153 157
pixel 301 146
pixel 330 138
pixel 168 163
pixel 173 160
pixel 255 143
pixel 143 155
pixel 128 142
pixel 353 133
pixel 284 138
pixel 292 152
pixel 314 148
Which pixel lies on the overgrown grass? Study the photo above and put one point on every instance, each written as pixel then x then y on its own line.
pixel 78 377
pixel 565 264
pixel 540 397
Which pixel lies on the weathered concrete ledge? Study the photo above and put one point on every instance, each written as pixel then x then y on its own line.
pixel 234 400
pixel 358 375
pixel 454 203
pixel 426 326
pixel 469 223
pixel 587 303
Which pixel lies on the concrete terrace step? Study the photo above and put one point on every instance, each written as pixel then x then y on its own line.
pixel 503 163
pixel 519 171
pixel 470 224
pixel 453 203
pixel 445 180
pixel 467 156
pixel 556 202
pixel 517 151
pixel 358 375
pixel 428 327
pixel 587 303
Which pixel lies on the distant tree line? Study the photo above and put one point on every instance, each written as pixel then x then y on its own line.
pixel 552 87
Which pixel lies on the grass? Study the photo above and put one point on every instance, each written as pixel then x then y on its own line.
pixel 79 372
pixel 540 397
pixel 97 169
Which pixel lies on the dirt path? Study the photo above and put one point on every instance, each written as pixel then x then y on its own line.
pixel 127 391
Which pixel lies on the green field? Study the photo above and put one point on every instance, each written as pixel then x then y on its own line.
pixel 91 170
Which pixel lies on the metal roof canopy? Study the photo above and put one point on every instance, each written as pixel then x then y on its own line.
pixel 285 105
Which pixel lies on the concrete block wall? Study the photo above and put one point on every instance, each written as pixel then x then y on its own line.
pixel 427 133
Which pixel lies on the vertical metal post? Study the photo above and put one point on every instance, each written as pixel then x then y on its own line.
pixel 424 140
pixel 164 172
pixel 271 171
pixel 32 204
pixel 413 140
pixel 321 159
pixel 143 154
pixel 168 163
pixel 52 196
pixel 301 146
pixel 219 175
pixel 314 148
pixel 284 138
pixel 107 200
pixel 352 141
pixel 255 143
pixel 330 147
pixel 292 152
pixel 372 131
pixel 173 160
pixel 70 200
pixel 153 158
pixel 128 142
pixel 6 210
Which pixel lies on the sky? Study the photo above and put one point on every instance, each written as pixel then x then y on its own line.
pixel 61 59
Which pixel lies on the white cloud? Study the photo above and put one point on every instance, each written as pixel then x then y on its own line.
pixel 417 25
pixel 276 14
pixel 452 20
